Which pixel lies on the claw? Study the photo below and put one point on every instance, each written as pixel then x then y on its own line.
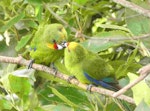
pixel 30 63
pixel 69 78
pixel 54 69
pixel 89 87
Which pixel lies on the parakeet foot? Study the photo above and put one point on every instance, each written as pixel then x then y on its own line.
pixel 30 63
pixel 54 69
pixel 89 87
pixel 69 78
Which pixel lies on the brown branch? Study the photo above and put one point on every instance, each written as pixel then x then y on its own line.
pixel 144 71
pixel 127 87
pixel 133 7
pixel 22 61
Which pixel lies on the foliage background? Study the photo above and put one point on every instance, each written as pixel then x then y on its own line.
pixel 108 30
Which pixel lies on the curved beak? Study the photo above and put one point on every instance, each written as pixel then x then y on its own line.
pixel 64 44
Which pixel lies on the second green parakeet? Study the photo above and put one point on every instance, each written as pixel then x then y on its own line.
pixel 88 67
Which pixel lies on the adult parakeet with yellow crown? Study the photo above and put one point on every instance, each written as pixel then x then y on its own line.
pixel 44 46
pixel 88 67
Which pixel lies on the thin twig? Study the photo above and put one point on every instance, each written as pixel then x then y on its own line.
pixel 144 71
pixel 133 7
pixel 22 61
pixel 127 87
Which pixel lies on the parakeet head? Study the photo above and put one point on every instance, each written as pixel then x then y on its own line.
pixel 54 34
pixel 75 50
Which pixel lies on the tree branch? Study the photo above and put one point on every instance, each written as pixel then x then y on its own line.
pixel 144 71
pixel 127 87
pixel 133 7
pixel 22 61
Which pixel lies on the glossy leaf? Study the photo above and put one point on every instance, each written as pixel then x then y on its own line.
pixel 147 80
pixel 11 22
pixel 57 108
pixel 5 104
pixel 115 27
pixel 142 107
pixel 20 82
pixel 62 97
pixel 138 24
pixel 104 40
pixel 23 42
pixel 77 97
pixel 137 94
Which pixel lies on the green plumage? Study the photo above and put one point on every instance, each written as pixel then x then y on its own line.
pixel 45 34
pixel 79 60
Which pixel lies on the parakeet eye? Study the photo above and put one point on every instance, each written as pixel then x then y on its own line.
pixel 60 29
pixel 54 41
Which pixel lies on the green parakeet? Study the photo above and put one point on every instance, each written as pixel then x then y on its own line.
pixel 88 67
pixel 44 46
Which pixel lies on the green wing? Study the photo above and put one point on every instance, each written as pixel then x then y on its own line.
pixel 96 67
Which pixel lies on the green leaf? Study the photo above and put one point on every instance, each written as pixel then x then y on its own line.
pixel 7 69
pixel 62 97
pixel 142 107
pixel 35 2
pixel 147 80
pixel 138 24
pixel 11 22
pixel 101 41
pixel 31 24
pixel 50 77
pixel 128 66
pixel 5 104
pixel 77 97
pixel 20 83
pixel 24 40
pixel 39 109
pixel 115 27
pixel 122 67
pixel 57 107
pixel 97 47
pixel 140 91
pixel 38 12
pixel 80 2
